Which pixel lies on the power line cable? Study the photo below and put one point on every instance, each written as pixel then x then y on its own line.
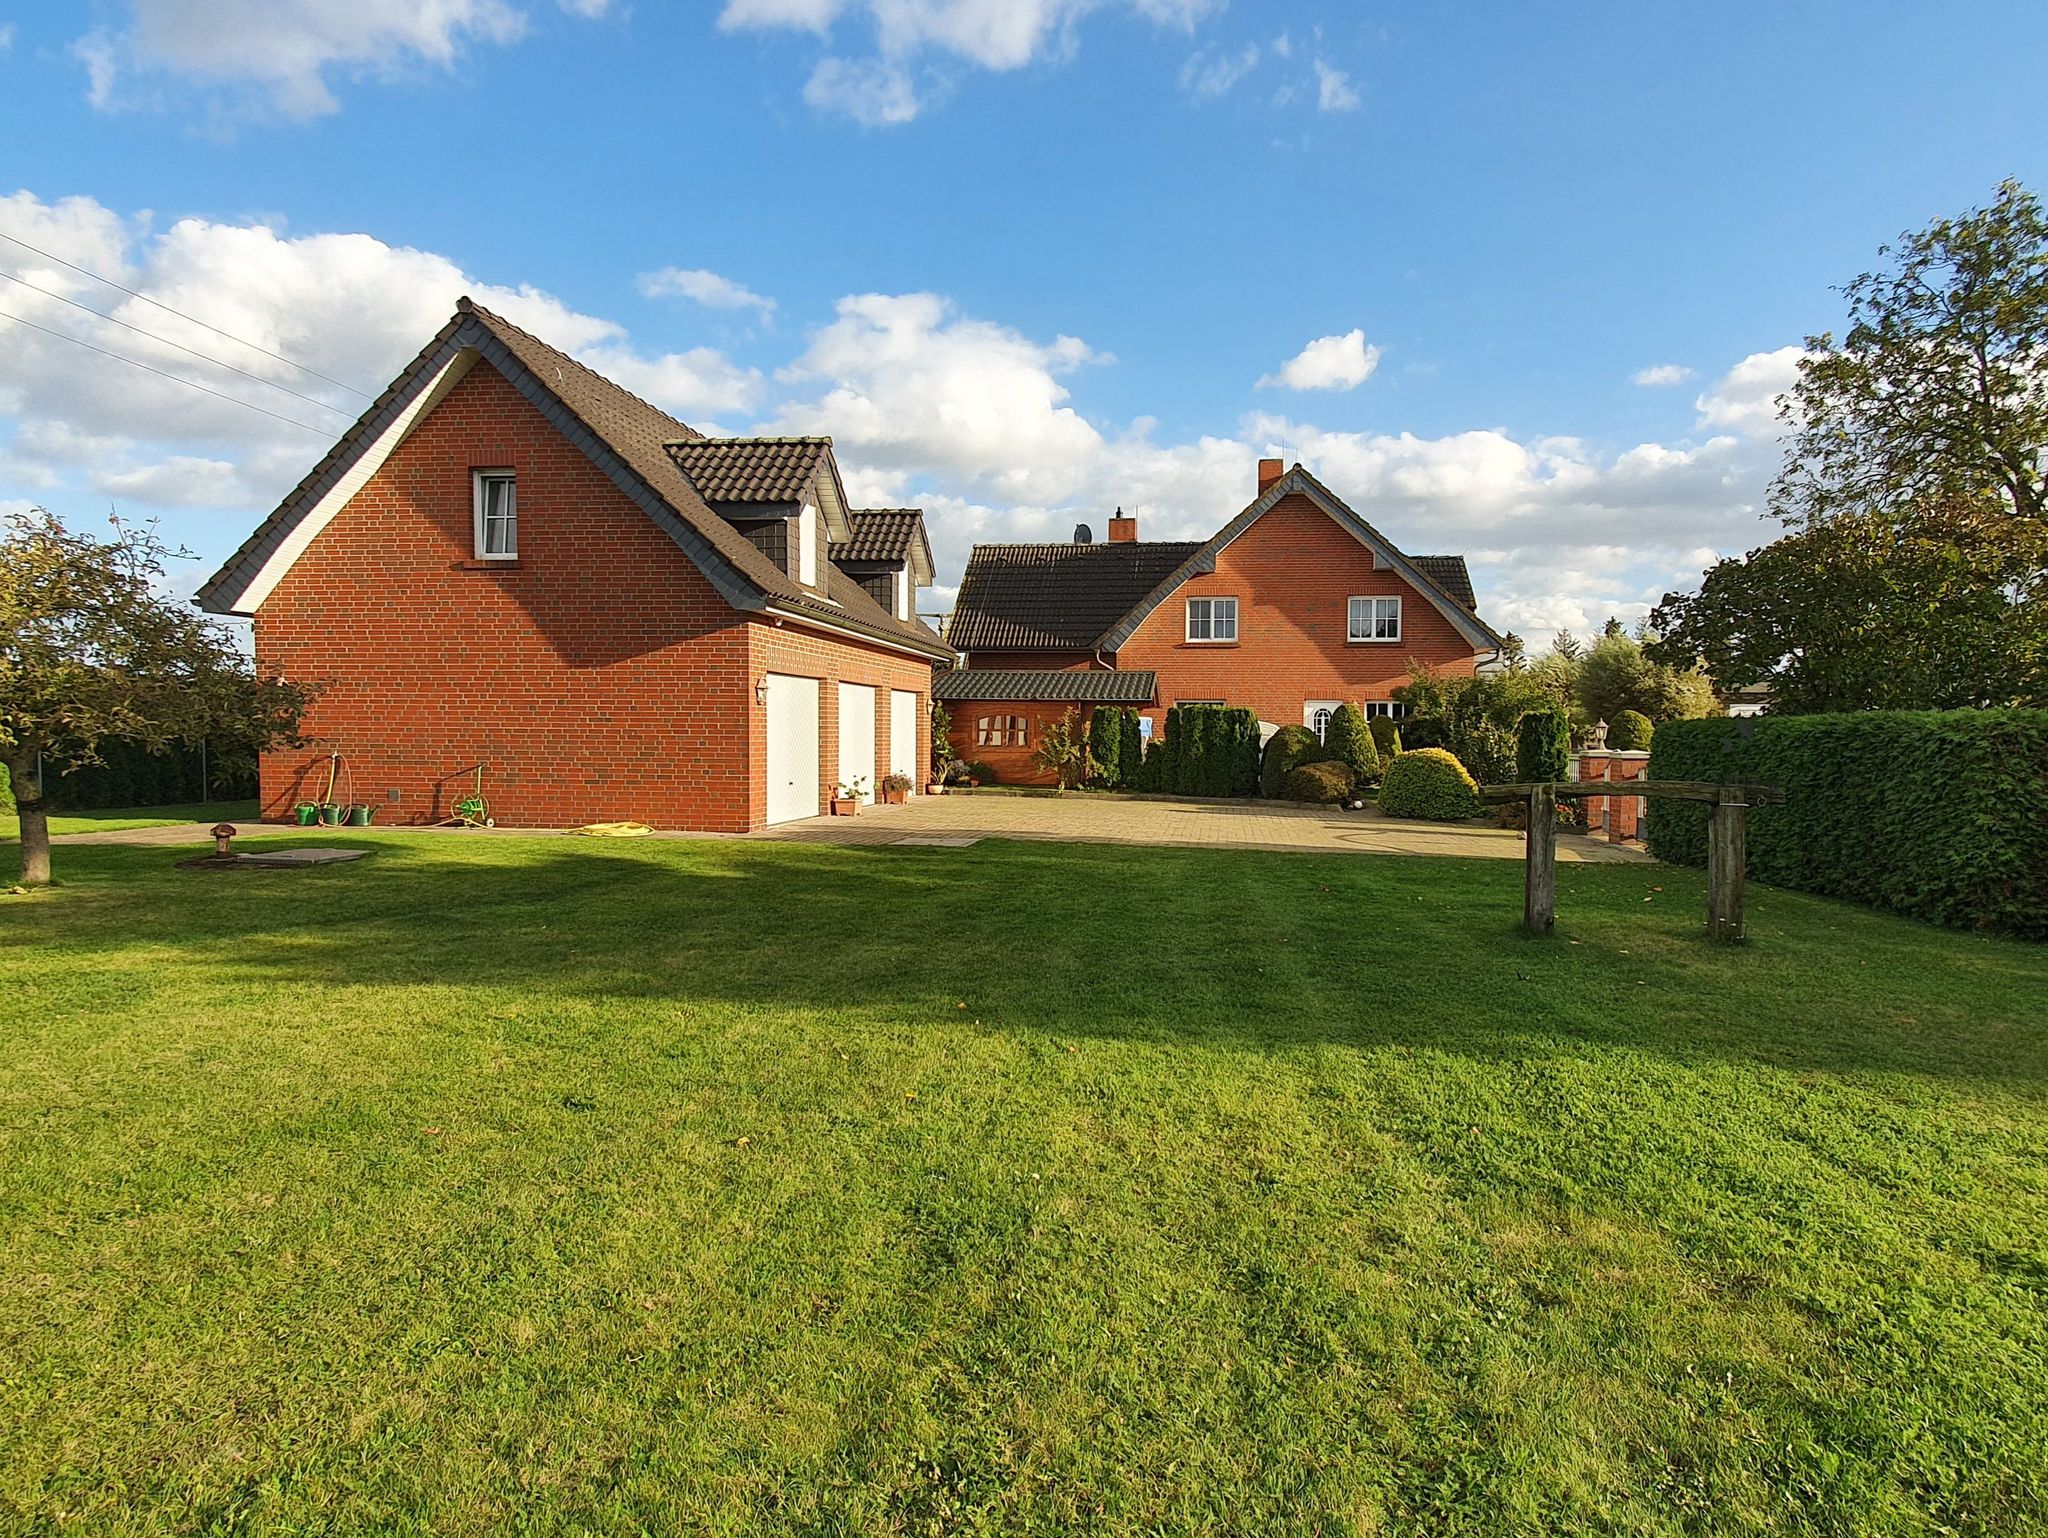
pixel 166 341
pixel 162 374
pixel 195 320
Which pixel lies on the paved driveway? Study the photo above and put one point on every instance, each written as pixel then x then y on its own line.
pixel 1095 819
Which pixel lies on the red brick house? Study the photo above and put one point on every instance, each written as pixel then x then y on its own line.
pixel 510 562
pixel 1295 606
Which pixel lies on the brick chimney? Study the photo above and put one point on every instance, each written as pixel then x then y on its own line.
pixel 1122 530
pixel 1270 470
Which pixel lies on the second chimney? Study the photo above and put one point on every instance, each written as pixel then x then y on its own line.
pixel 1270 470
pixel 1122 530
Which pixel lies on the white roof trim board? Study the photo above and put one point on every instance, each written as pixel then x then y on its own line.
pixel 353 477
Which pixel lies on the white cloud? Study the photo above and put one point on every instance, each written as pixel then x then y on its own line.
pixel 1211 73
pixel 875 93
pixel 1328 363
pixel 1660 376
pixel 6 36
pixel 349 306
pixel 701 286
pixel 988 34
pixel 1334 91
pixel 284 55
pixel 1745 399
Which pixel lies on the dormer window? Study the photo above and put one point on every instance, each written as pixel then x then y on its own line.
pixel 495 514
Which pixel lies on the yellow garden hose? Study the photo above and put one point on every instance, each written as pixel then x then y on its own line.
pixel 614 830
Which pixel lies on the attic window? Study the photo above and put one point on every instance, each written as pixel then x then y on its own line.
pixel 770 536
pixel 1212 619
pixel 1373 619
pixel 881 586
pixel 495 514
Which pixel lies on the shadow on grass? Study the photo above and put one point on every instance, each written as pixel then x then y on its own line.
pixel 1234 951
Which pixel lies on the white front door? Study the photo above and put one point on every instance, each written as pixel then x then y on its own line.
pixel 903 736
pixel 857 738
pixel 792 747
pixel 1315 715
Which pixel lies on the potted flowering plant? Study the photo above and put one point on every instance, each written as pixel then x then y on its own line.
pixel 846 798
pixel 896 789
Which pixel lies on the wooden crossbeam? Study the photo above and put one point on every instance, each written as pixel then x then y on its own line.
pixel 1650 790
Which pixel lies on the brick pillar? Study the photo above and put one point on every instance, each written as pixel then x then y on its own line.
pixel 1624 813
pixel 1589 767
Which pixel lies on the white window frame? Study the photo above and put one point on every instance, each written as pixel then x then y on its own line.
pixel 1376 613
pixel 1212 612
pixel 478 478
pixel 1392 710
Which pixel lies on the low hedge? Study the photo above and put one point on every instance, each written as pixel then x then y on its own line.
pixel 1325 780
pixel 1386 739
pixel 1431 784
pixel 1942 815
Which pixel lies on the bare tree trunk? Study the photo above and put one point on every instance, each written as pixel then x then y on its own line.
pixel 35 818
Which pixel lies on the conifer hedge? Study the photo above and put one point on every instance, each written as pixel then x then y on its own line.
pixel 1942 815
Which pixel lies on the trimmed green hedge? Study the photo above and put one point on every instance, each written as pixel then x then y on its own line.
pixel 1631 732
pixel 1942 815
pixel 1212 750
pixel 1543 746
pixel 1350 740
pixel 128 774
pixel 1386 739
pixel 1326 780
pixel 1431 784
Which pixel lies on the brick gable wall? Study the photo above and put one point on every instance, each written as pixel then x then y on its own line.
pixel 599 677
pixel 1291 573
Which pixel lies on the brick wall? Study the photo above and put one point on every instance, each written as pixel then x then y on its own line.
pixel 1291 573
pixel 598 677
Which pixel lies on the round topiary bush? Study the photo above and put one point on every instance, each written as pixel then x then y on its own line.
pixel 1630 732
pixel 1543 746
pixel 1431 784
pixel 1324 781
pixel 1286 750
pixel 1386 738
pixel 1350 741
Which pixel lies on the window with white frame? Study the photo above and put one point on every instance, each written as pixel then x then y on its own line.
pixel 1319 722
pixel 1212 619
pixel 1393 710
pixel 495 504
pixel 1373 619
pixel 1001 731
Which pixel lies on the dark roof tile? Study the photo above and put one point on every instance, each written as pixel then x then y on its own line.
pixel 881 534
pixel 1056 597
pixel 750 469
pixel 1093 687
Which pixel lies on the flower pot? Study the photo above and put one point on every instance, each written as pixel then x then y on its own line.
pixel 936 788
pixel 359 816
pixel 846 808
pixel 330 816
pixel 306 813
pixel 896 797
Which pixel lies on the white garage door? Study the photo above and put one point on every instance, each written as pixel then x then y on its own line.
pixel 903 735
pixel 792 747
pixel 857 738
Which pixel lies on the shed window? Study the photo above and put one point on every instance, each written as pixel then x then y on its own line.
pixel 1000 731
pixel 495 503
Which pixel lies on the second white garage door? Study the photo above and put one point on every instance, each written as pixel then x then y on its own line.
pixel 857 738
pixel 903 736
pixel 792 747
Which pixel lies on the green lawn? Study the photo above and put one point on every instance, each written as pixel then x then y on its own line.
pixel 540 1186
pixel 114 819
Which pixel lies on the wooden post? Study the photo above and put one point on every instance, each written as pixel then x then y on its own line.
pixel 1727 854
pixel 1539 884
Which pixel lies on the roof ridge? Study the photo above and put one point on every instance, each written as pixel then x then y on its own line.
pixel 467 305
pixel 775 438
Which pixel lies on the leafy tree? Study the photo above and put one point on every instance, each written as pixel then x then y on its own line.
pixel 91 653
pixel 1062 750
pixel 1942 607
pixel 1472 716
pixel 1618 676
pixel 1351 740
pixel 1939 388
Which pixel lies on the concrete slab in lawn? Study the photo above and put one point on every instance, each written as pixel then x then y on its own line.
pixel 288 857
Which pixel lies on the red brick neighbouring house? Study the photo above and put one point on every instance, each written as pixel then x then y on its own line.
pixel 512 563
pixel 1295 606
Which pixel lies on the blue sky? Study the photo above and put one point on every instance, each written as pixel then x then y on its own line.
pixel 1025 259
